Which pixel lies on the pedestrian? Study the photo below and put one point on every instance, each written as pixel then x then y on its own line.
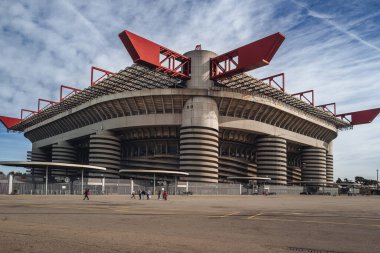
pixel 143 194
pixel 133 195
pixel 159 194
pixel 139 194
pixel 148 194
pixel 86 193
pixel 165 195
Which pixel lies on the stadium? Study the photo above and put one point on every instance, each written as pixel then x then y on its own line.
pixel 196 115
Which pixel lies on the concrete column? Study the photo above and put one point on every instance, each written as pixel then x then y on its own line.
pixel 63 152
pixel 199 134
pixel 271 159
pixel 199 140
pixel 10 183
pixel 200 69
pixel 38 155
pixel 313 164
pixel 103 185
pixel 330 164
pixel 105 152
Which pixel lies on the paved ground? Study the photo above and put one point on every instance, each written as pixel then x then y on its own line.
pixel 190 224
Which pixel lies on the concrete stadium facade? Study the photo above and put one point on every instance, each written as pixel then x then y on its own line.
pixel 142 119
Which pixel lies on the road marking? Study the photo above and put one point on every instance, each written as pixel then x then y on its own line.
pixel 223 216
pixel 254 216
pixel 321 222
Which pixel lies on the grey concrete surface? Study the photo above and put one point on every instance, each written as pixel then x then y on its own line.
pixel 190 224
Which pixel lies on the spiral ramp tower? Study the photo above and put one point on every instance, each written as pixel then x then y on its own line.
pixel 105 152
pixel 314 164
pixel 64 152
pixel 271 159
pixel 329 165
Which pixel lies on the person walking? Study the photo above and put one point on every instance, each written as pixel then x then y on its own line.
pixel 148 194
pixel 86 193
pixel 139 194
pixel 159 194
pixel 133 195
pixel 143 194
pixel 165 195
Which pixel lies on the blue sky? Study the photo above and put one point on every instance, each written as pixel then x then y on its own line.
pixel 332 47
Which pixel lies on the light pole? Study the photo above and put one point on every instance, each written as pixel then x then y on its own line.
pixel 377 179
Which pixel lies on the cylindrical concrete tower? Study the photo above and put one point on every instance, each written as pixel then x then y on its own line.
pixel 329 164
pixel 314 164
pixel 38 155
pixel 63 152
pixel 199 140
pixel 105 151
pixel 199 134
pixel 271 158
pixel 200 69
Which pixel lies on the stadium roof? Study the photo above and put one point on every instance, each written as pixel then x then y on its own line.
pixel 51 165
pixel 138 77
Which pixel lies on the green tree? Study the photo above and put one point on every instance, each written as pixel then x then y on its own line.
pixel 360 180
pixel 339 180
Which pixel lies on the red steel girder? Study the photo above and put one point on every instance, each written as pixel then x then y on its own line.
pixel 49 103
pixel 360 117
pixel 272 79
pixel 326 108
pixel 302 96
pixel 73 90
pixel 9 122
pixel 252 56
pixel 153 55
pixel 106 73
pixel 31 112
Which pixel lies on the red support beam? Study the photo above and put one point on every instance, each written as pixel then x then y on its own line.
pixel 106 73
pixel 153 55
pixel 302 96
pixel 9 122
pixel 49 103
pixel 272 80
pixel 31 113
pixel 326 108
pixel 73 90
pixel 360 117
pixel 252 56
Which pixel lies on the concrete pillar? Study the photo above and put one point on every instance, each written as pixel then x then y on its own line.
pixel 314 164
pixel 330 164
pixel 199 140
pixel 38 155
pixel 105 152
pixel 103 185
pixel 10 183
pixel 200 69
pixel 199 134
pixel 271 159
pixel 63 152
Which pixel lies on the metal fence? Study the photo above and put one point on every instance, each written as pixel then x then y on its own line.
pixel 124 187
pixel 119 186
